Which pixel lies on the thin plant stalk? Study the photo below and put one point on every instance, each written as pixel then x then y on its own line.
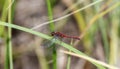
pixel 3 17
pixel 114 38
pixel 51 26
pixel 10 36
pixel 69 57
pixel 50 15
pixel 54 57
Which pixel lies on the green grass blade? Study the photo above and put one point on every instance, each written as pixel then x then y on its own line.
pixel 51 26
pixel 10 36
pixel 69 57
pixel 3 17
pixel 50 15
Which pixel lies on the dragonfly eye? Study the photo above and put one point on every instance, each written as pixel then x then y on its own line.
pixel 52 33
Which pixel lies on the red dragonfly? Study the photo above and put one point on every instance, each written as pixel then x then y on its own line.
pixel 61 35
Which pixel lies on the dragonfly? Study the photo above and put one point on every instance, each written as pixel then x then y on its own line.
pixel 59 35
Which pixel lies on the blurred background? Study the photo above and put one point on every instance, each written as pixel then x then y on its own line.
pixel 98 27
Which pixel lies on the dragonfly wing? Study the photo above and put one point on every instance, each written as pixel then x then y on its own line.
pixel 49 43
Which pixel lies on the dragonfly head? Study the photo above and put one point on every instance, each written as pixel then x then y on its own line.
pixel 52 33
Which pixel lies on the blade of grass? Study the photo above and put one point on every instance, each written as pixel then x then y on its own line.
pixel 3 18
pixel 50 15
pixel 114 38
pixel 51 25
pixel 54 56
pixel 89 59
pixel 4 34
pixel 40 54
pixel 10 36
pixel 6 66
pixel 68 62
pixel 69 57
pixel 69 47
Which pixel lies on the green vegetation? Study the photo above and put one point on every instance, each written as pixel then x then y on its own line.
pixel 97 22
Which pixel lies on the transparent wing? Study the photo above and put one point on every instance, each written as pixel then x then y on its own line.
pixel 49 43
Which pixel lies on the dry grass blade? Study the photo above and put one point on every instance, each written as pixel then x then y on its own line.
pixel 90 59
